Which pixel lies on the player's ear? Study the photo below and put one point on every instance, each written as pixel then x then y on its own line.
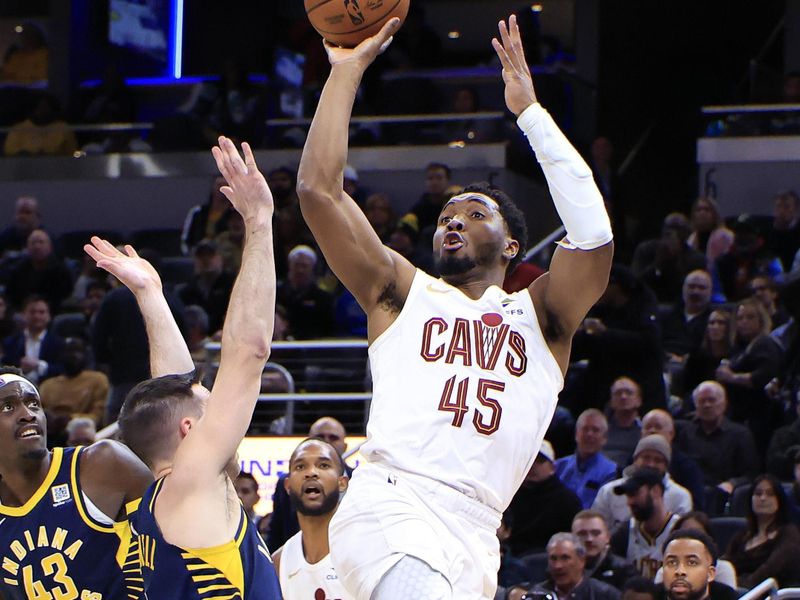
pixel 712 573
pixel 512 249
pixel 344 481
pixel 185 426
pixel 286 484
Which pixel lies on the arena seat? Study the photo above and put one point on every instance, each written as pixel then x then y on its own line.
pixel 724 528
pixel 537 566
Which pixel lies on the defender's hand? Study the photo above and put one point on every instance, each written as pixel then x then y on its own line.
pixel 519 91
pixel 132 270
pixel 247 189
pixel 367 51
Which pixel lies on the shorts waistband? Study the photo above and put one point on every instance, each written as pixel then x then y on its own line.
pixel 447 496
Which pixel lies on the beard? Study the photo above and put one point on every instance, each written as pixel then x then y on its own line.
pixel 449 265
pixel 692 594
pixel 643 513
pixel 36 454
pixel 329 503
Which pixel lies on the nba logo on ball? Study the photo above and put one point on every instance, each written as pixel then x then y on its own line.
pixel 347 23
pixel 354 11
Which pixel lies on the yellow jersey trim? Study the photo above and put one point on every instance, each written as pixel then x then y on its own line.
pixel 21 511
pixel 76 490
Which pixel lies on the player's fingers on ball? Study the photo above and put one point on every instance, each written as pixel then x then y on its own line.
pixel 385 45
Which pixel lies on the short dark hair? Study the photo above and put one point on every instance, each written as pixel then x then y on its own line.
pixel 34 298
pixel 693 534
pixel 148 414
pixel 11 370
pixel 442 166
pixel 512 215
pixel 694 515
pixel 249 476
pixel 334 452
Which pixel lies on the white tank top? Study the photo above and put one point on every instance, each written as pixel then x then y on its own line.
pixel 463 390
pixel 302 581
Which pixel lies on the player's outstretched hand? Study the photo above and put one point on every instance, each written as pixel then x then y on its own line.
pixel 131 269
pixel 247 189
pixel 516 73
pixel 366 52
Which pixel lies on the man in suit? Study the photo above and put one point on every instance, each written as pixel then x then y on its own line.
pixel 35 350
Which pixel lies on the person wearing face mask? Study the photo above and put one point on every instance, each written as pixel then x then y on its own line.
pixel 78 391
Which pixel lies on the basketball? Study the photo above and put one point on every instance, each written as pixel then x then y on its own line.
pixel 346 23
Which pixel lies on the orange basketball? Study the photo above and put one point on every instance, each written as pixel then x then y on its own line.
pixel 348 22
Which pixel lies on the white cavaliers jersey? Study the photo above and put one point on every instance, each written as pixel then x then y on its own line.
pixel 463 390
pixel 302 581
pixel 647 552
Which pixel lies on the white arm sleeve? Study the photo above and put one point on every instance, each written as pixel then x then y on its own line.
pixel 574 192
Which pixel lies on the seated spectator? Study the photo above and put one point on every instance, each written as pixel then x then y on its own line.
pixel 78 391
pixel 81 431
pixel 765 290
pixel 26 60
pixel 210 285
pixel 542 506
pixel 724 450
pixel 698 521
pixel 95 293
pixel 380 214
pixel 587 470
pixel 717 345
pixel 619 337
pixel 208 220
pixel 230 243
pixel 624 425
pixel 682 469
pixel 247 490
pixel 43 132
pixel 40 271
pixel 663 263
pixel 782 449
pixel 351 320
pixel 35 350
pixel 468 130
pixel 793 497
pixel 747 258
pixel 566 562
pixel 783 237
pixel 683 327
pixel 310 308
pixel 425 213
pixel 14 237
pixel 755 361
pixel 770 545
pixel 405 241
pixel 652 452
pixel 709 234
pixel 197 336
pixel 512 569
pixel 641 539
pixel 690 568
pixel 351 186
pixel 591 529
pixel 283 185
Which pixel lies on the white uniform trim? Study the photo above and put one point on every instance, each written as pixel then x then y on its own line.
pixel 301 580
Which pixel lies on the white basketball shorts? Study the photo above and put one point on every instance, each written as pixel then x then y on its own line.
pixel 388 514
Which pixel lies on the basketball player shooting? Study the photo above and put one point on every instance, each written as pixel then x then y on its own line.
pixel 465 376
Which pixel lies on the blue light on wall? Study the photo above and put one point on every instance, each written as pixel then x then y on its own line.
pixel 176 43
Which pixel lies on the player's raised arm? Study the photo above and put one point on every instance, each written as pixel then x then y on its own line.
pixel 169 354
pixel 580 267
pixel 246 335
pixel 351 247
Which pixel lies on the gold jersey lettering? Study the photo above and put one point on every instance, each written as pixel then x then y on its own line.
pixel 9 566
pixel 42 542
pixel 73 549
pixel 18 550
pixel 59 537
pixel 147 552
pixel 29 539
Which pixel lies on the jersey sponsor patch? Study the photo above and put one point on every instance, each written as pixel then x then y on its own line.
pixel 60 494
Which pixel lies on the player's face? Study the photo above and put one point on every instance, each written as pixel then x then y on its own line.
pixel 314 483
pixel 593 533
pixel 23 427
pixel 564 564
pixel 687 570
pixel 471 233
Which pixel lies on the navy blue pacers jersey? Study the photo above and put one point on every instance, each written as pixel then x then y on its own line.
pixel 52 548
pixel 237 570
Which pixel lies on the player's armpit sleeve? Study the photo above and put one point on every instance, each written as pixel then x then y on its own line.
pixel 574 192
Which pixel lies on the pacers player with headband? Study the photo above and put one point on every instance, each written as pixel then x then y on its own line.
pixel 465 376
pixel 63 514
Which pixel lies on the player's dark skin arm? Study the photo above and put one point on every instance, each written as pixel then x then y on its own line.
pixel 112 476
pixel 577 278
